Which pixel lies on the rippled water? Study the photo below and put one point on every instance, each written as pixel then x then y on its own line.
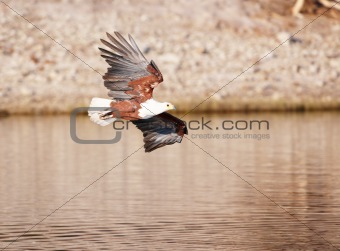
pixel 277 193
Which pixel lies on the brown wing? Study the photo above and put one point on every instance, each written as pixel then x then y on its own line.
pixel 130 75
pixel 161 130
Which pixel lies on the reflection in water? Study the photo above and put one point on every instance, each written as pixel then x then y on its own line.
pixel 176 197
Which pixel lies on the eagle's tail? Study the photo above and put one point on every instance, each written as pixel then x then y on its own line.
pixel 100 112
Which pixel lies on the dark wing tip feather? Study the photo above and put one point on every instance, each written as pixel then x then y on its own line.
pixel 124 42
pixel 134 44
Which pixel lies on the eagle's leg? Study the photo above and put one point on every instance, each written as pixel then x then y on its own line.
pixel 118 110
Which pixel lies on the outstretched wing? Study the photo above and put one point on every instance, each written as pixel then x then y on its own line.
pixel 130 75
pixel 161 130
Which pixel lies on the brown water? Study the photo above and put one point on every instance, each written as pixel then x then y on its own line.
pixel 178 197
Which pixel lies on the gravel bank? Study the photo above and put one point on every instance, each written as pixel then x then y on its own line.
pixel 200 46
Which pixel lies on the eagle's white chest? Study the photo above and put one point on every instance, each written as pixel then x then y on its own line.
pixel 150 108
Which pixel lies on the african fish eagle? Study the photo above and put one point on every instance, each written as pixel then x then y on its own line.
pixel 131 79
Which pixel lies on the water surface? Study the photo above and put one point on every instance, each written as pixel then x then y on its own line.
pixel 278 193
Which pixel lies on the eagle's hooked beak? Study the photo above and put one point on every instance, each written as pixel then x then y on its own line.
pixel 173 107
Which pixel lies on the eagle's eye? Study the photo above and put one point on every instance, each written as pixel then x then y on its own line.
pixel 167 105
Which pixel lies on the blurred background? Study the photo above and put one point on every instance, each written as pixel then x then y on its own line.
pixel 199 47
pixel 279 191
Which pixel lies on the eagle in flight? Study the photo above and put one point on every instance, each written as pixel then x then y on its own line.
pixel 131 79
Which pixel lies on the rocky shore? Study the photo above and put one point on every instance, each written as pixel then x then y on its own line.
pixel 206 50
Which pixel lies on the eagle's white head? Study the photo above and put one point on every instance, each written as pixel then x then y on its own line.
pixel 152 107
